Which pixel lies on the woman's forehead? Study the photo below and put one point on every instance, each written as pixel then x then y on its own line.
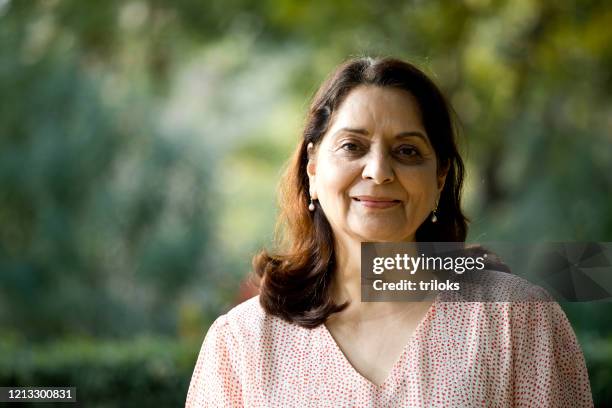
pixel 373 107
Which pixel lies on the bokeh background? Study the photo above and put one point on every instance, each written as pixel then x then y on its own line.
pixel 141 144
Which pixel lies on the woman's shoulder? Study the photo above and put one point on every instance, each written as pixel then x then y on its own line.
pixel 249 321
pixel 247 313
pixel 503 299
pixel 499 286
pixel 525 304
pixel 520 289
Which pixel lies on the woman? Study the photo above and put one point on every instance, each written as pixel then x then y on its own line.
pixel 378 162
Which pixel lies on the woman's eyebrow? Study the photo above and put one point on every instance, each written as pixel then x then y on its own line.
pixel 354 130
pixel 402 135
pixel 413 133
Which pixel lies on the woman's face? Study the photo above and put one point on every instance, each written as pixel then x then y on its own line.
pixel 375 171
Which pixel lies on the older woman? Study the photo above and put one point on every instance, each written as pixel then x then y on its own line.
pixel 378 162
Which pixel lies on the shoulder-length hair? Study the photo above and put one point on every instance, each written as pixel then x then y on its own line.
pixel 295 281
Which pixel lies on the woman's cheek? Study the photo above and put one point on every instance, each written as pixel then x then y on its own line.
pixel 419 180
pixel 340 175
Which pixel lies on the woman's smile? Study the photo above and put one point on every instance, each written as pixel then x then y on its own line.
pixel 376 202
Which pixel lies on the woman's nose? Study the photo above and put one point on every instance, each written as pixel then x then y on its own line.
pixel 378 168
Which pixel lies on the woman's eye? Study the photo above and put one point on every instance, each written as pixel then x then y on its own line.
pixel 351 147
pixel 408 151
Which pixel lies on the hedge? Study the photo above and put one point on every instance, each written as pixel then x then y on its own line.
pixel 143 372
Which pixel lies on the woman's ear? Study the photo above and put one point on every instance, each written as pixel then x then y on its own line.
pixel 311 169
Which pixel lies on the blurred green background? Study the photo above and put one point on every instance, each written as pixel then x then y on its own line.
pixel 141 143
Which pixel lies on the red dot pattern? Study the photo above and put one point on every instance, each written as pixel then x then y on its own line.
pixel 470 354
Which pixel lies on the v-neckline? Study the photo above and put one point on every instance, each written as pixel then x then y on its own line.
pixel 391 373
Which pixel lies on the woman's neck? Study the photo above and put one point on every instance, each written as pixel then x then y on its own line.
pixel 346 285
pixel 347 275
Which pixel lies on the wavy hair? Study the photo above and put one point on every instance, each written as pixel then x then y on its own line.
pixel 295 280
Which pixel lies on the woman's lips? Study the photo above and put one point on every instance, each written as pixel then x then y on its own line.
pixel 375 202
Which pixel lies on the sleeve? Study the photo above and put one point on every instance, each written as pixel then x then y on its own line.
pixel 549 369
pixel 215 381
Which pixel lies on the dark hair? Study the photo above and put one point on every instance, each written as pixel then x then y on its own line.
pixel 295 281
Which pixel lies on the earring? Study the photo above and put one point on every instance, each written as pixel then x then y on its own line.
pixel 434 218
pixel 311 206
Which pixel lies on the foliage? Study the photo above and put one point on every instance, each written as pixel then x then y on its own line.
pixel 103 217
pixel 140 372
pixel 598 353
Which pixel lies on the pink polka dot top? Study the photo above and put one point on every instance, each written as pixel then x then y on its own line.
pixel 462 354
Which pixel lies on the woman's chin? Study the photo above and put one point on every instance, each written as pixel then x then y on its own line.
pixel 377 236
